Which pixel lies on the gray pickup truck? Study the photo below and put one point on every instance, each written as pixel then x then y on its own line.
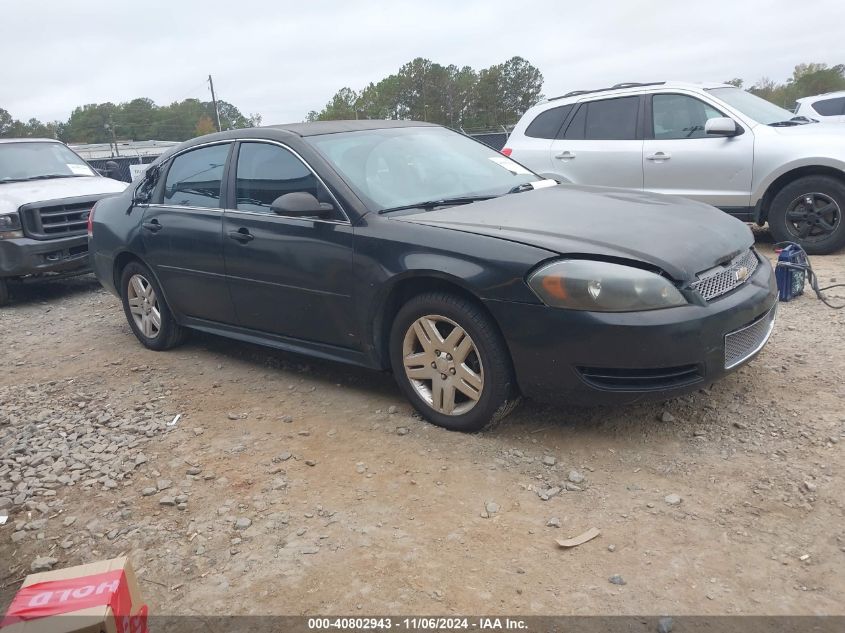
pixel 46 195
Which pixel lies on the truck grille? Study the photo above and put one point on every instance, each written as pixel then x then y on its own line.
pixel 722 279
pixel 55 221
pixel 742 344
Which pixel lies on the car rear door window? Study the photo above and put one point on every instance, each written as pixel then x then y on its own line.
pixel 548 123
pixel 606 119
pixel 680 116
pixel 830 107
pixel 612 119
pixel 266 172
pixel 195 177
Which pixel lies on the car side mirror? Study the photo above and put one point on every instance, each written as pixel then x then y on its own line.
pixel 300 204
pixel 722 126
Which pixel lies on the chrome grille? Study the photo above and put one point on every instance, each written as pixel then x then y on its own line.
pixel 722 279
pixel 57 220
pixel 742 344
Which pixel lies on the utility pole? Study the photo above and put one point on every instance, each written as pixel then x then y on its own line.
pixel 214 101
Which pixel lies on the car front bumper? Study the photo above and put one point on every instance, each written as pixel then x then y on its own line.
pixel 588 358
pixel 22 256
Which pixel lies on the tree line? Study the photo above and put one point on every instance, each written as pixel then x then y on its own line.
pixel 458 97
pixel 139 119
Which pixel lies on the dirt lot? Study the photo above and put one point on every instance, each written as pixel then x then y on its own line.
pixel 300 487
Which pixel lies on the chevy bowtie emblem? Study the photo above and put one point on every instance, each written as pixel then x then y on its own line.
pixel 741 273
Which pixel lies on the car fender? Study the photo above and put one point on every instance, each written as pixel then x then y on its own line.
pixel 765 182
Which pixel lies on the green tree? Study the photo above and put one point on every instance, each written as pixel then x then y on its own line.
pixel 449 95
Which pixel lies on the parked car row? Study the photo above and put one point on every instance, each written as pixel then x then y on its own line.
pixel 473 275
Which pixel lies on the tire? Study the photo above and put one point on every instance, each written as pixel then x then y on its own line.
pixel 459 394
pixel 4 292
pixel 137 283
pixel 823 230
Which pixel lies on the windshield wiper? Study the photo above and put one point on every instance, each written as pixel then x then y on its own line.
pixel 796 120
pixel 44 177
pixel 444 202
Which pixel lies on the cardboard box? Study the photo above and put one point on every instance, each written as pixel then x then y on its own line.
pixel 100 597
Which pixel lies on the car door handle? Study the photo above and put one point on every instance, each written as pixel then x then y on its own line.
pixel 242 235
pixel 567 155
pixel 152 227
pixel 659 156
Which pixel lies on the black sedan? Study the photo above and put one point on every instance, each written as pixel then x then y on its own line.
pixel 407 246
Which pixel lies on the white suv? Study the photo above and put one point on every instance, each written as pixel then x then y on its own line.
pixel 710 142
pixel 827 107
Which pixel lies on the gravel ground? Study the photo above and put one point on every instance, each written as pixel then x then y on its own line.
pixel 299 487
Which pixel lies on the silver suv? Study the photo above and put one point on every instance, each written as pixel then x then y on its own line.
pixel 710 142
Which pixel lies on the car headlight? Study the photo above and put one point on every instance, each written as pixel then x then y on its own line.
pixel 10 225
pixel 579 284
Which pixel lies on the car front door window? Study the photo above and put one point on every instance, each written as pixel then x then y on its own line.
pixel 676 116
pixel 266 172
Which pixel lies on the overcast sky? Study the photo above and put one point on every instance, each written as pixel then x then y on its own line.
pixel 281 59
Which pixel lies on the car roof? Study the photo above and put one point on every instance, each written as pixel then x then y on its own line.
pixel 626 88
pixel 314 128
pixel 825 95
pixel 30 140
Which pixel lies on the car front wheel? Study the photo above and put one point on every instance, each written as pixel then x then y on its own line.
pixel 146 310
pixel 809 212
pixel 451 362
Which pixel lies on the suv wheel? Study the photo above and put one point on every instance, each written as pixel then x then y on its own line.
pixel 146 310
pixel 809 212
pixel 4 292
pixel 451 362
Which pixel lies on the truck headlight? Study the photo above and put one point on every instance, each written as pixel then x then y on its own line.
pixel 10 225
pixel 579 284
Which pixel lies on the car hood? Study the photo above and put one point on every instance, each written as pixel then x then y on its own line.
pixel 679 236
pixel 15 194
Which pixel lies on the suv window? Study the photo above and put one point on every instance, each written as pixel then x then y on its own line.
pixel 266 172
pixel 680 116
pixel 606 119
pixel 548 123
pixel 830 107
pixel 194 177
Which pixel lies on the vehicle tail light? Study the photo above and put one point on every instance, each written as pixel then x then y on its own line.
pixel 507 151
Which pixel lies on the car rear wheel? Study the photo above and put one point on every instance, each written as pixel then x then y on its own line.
pixel 146 310
pixel 809 212
pixel 451 362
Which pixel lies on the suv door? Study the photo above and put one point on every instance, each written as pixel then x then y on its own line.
pixel 181 233
pixel 290 276
pixel 680 159
pixel 602 144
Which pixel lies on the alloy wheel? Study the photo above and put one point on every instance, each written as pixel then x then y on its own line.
pixel 143 306
pixel 443 365
pixel 813 216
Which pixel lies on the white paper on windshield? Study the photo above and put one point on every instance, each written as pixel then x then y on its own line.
pixel 511 166
pixel 78 170
pixel 542 184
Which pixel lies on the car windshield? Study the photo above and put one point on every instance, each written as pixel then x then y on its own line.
pixel 752 106
pixel 37 160
pixel 403 167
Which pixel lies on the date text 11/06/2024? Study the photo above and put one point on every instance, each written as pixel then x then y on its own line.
pixel 418 624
